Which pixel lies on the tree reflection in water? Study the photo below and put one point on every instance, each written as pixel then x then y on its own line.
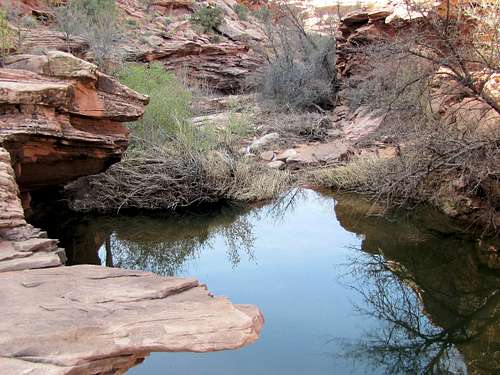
pixel 158 243
pixel 437 306
pixel 165 249
pixel 406 342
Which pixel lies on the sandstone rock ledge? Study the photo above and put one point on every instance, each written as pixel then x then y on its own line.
pixel 94 320
pixel 62 118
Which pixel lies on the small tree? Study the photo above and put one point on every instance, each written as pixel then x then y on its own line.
pixel 103 35
pixel 209 17
pixel 15 16
pixel 66 17
pixel 242 11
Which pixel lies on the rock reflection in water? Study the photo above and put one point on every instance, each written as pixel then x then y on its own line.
pixel 427 285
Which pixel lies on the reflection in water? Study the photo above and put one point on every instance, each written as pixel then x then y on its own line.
pixel 433 297
pixel 433 293
pixel 160 244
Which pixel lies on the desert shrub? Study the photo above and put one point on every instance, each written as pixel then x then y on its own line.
pixel 168 108
pixel 263 14
pixel 215 39
pixel 242 11
pixel 208 17
pixel 172 164
pixel 28 22
pixel 5 37
pixel 403 92
pixel 96 21
pixel 362 174
pixel 295 126
pixel 439 164
pixel 167 21
pixel 300 73
pixel 171 178
pixel 301 83
pixel 131 23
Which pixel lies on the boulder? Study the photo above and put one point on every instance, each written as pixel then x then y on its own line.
pixel 491 91
pixel 263 141
pixel 267 155
pixel 277 164
pixel 285 155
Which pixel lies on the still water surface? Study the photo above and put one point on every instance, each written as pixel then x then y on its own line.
pixel 342 292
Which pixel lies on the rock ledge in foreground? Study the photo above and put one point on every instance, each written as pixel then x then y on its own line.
pixel 92 320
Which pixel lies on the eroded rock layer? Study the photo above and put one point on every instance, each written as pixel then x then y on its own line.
pixel 61 118
pixel 92 320
pixel 21 245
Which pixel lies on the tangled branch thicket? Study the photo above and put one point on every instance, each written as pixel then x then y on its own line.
pixel 98 22
pixel 172 164
pixel 301 72
pixel 447 135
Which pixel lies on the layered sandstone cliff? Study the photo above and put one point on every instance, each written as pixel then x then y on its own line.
pixel 61 118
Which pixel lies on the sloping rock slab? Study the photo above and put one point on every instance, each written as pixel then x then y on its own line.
pixel 91 319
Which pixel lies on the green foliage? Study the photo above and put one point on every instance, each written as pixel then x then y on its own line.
pixel 28 22
pixel 131 23
pixel 208 17
pixel 5 36
pixel 167 21
pixel 168 109
pixel 263 14
pixel 242 11
pixel 215 39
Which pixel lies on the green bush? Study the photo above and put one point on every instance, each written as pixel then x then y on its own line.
pixel 172 163
pixel 263 14
pixel 168 109
pixel 242 11
pixel 28 22
pixel 5 37
pixel 131 23
pixel 208 17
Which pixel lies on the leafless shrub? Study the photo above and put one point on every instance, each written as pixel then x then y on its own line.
pixel 291 125
pixel 97 22
pixel 301 66
pixel 395 82
pixel 447 155
pixel 456 170
pixel 176 176
pixel 459 36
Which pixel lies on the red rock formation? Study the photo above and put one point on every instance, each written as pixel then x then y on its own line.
pixel 21 245
pixel 221 60
pixel 62 119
